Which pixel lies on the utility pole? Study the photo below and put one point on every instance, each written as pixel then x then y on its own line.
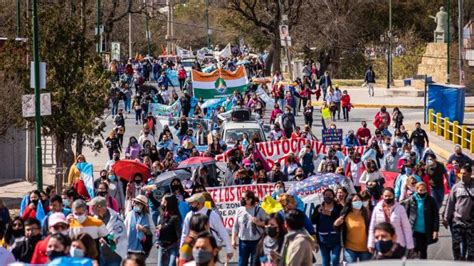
pixel 448 68
pixel 460 41
pixel 389 52
pixel 99 22
pixel 170 28
pixel 207 25
pixel 38 158
pixel 130 52
pixel 18 18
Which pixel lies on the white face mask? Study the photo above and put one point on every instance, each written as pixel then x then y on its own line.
pixel 80 218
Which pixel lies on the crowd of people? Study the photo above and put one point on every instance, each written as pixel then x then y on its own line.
pixel 124 219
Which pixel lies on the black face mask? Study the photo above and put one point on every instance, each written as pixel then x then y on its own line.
pixel 243 202
pixel 271 231
pixel 18 233
pixel 116 158
pixel 35 202
pixel 194 208
pixel 35 239
pixel 103 177
pixel 175 187
pixel 389 201
pixel 422 195
pixel 138 182
pixel 102 193
pixel 53 254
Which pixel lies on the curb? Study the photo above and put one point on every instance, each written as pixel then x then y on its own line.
pixel 376 105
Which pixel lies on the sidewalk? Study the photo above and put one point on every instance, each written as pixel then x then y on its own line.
pixel 360 98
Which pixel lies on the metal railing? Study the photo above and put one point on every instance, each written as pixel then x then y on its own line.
pixel 451 130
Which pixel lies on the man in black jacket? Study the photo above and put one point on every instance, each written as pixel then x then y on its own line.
pixel 23 249
pixel 419 137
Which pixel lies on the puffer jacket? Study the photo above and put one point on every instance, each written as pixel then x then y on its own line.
pixel 399 220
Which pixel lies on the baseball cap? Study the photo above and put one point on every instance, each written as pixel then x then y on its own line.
pixel 97 201
pixel 198 197
pixel 56 218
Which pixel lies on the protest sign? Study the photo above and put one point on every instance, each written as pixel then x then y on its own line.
pixel 278 150
pixel 158 109
pixel 264 96
pixel 332 136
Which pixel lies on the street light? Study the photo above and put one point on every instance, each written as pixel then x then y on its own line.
pixel 388 38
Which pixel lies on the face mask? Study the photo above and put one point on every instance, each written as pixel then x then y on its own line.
pixel 430 162
pixel 112 177
pixel 194 208
pixel 202 256
pixel 356 160
pixel 408 170
pixel 394 153
pixel 383 246
pixel 80 218
pixel 328 199
pixel 389 201
pixel 279 191
pixel 66 202
pixel 422 195
pixel 138 182
pixel 116 158
pixel 65 232
pixel 76 253
pixel 102 193
pixel 175 187
pixel 357 204
pixel 287 112
pixel 17 233
pixel 53 254
pixel 271 231
pixel 456 165
pixel 137 208
pixel 35 202
pixel 243 202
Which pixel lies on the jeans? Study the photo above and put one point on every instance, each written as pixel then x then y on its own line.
pixel 338 109
pixel 351 256
pixel 345 113
pixel 138 115
pixel 127 103
pixel 154 214
pixel 247 249
pixel 282 103
pixel 330 254
pixel 308 120
pixel 419 150
pixel 115 105
pixel 181 83
pixel 438 195
pixel 167 256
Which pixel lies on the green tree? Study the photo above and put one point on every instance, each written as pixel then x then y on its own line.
pixel 76 78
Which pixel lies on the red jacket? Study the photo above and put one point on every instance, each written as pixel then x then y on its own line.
pixel 182 74
pixel 39 255
pixel 345 100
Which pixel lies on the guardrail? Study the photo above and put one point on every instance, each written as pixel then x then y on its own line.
pixel 451 130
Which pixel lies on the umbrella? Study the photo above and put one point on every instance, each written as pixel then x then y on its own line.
pixel 195 162
pixel 126 169
pixel 316 182
pixel 165 178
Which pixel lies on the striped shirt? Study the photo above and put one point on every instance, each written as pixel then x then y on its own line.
pixel 92 226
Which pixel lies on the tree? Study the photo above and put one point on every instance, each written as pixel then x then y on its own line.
pixel 267 16
pixel 76 79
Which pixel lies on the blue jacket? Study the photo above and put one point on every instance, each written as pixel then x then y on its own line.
pixel 351 141
pixel 322 81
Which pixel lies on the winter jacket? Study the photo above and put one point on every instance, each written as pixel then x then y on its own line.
pixel 460 206
pixel 399 220
pixel 116 226
pixel 431 214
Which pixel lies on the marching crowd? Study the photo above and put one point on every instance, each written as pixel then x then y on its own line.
pixel 124 219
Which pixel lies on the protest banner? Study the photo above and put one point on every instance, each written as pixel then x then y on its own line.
pixel 332 136
pixel 269 101
pixel 158 109
pixel 278 150
pixel 227 199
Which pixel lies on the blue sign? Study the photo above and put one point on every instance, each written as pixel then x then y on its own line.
pixel 332 136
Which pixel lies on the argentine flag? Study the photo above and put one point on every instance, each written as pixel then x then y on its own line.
pixel 87 173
